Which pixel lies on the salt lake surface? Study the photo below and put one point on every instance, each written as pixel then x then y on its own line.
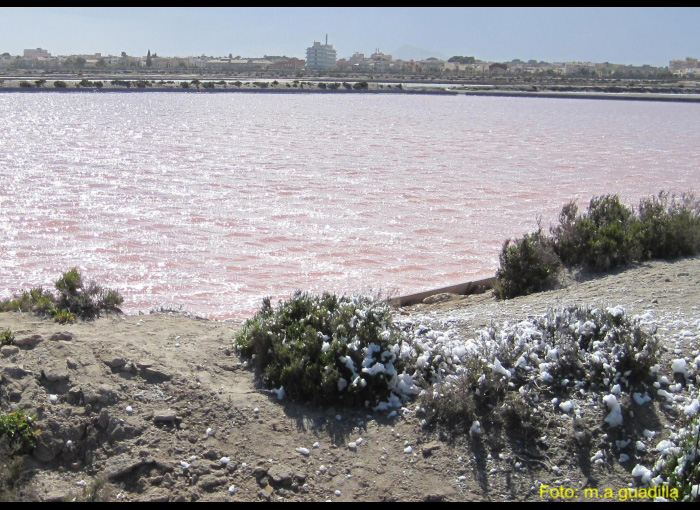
pixel 213 201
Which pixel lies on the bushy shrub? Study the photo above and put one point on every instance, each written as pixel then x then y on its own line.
pixel 360 85
pixel 527 265
pixel 85 300
pixel 75 298
pixel 322 85
pixel 36 300
pixel 17 432
pixel 6 337
pixel 25 84
pixel 601 239
pixel 668 226
pixel 208 85
pixel 60 84
pixel 184 85
pixel 325 349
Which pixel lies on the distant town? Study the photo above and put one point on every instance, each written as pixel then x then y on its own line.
pixel 321 60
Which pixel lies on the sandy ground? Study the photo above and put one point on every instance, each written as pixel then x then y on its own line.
pixel 159 408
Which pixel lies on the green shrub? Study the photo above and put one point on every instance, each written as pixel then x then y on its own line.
pixel 209 85
pixel 60 84
pixel 322 85
pixel 6 337
pixel 17 432
pixel 601 239
pixel 62 316
pixel 40 83
pixel 75 299
pixel 35 300
pixel 25 84
pixel 360 85
pixel 668 226
pixel 85 300
pixel 184 85
pixel 527 265
pixel 325 349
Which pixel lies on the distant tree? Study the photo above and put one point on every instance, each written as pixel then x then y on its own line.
pixel 80 62
pixel 149 61
pixel 123 54
pixel 462 60
pixel 101 63
pixel 230 55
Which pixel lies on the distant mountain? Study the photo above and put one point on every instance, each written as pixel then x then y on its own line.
pixel 407 52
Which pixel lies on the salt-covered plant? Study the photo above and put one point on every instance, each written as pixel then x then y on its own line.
pixel 555 355
pixel 325 349
pixel 680 465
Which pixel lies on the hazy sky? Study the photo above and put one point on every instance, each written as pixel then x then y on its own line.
pixel 618 35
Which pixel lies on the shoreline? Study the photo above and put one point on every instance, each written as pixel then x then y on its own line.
pixel 406 90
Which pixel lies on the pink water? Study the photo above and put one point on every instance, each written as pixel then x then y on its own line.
pixel 213 201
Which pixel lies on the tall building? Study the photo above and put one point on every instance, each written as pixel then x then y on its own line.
pixel 321 56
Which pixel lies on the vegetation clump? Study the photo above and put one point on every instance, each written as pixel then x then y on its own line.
pixel 527 265
pixel 6 337
pixel 74 298
pixel 17 432
pixel 325 349
pixel 607 236
pixel 568 350
pixel 681 469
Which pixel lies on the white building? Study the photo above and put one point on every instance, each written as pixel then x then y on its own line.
pixel 321 56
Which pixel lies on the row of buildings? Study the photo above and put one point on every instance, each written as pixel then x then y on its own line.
pixel 321 58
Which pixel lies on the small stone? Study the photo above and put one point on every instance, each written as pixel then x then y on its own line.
pixel 232 490
pixel 429 449
pixel 164 416
pixel 280 473
pixel 304 451
pixel 61 335
pixel 28 341
pixel 9 350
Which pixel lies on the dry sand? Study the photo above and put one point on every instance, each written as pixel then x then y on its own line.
pixel 180 379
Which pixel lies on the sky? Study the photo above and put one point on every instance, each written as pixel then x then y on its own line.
pixel 621 35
